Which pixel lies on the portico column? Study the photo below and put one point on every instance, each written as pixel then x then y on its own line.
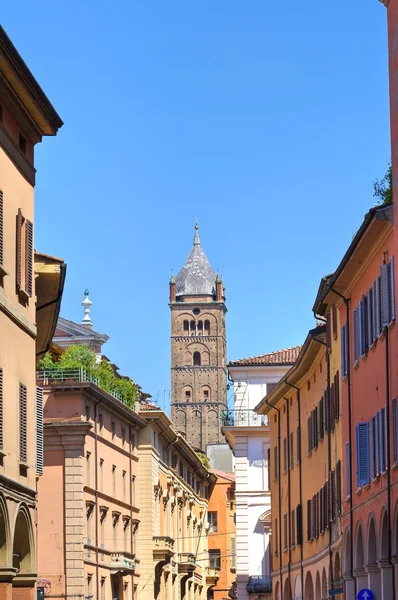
pixel 374 580
pixel 362 578
pixel 386 578
pixel 349 586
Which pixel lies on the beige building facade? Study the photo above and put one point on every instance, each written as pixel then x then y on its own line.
pixel 173 492
pixel 26 116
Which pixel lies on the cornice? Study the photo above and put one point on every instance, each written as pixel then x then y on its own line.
pixel 16 490
pixel 16 315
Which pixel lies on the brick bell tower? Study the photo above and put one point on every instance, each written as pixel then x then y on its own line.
pixel 198 350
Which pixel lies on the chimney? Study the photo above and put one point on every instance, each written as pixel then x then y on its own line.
pixel 219 289
pixel 172 289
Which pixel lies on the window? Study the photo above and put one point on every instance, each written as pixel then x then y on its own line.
pixel 1 114
pixel 299 525
pixel 205 395
pixel 284 454
pixel 357 348
pixel 198 487
pixel 196 359
pixel 181 469
pixel 39 427
pixel 309 520
pixel 22 143
pixel 298 445
pixel 293 529
pixel 89 585
pixel 285 531
pixel 132 441
pixel 347 468
pixel 394 426
pixel 101 474
pixel 276 462
pixel 193 326
pixel 126 531
pixel 187 395
pixel 215 559
pixel 113 428
pixel 233 553
pixel 291 450
pixel 362 437
pixel 276 536
pixel 88 468
pixel 212 518
pixel 334 321
pixel 200 326
pixel 344 350
pixel 207 327
pixel 87 412
pixel 308 385
pixel 101 421
pixel 123 435
pixel 103 589
pixel 24 258
pixel 23 393
pixel 338 486
pixel 186 325
pixel 124 485
pixel 114 479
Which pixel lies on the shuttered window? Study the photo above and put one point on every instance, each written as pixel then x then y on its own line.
pixel 292 529
pixel 23 408
pixel 362 327
pixel 39 431
pixel 326 401
pixel 385 296
pixel 369 316
pixel 298 445
pixel 392 288
pixel 356 335
pixel 299 525
pixel 315 426
pixel 362 436
pixel 328 331
pixel 309 524
pixel 29 258
pixel 291 450
pixel 321 419
pixel 344 350
pixel 1 229
pixel 334 321
pixel 276 462
pixel 326 504
pixel 310 435
pixel 377 307
pixel 276 536
pixel 233 553
pixel 284 454
pixel 395 429
pixel 1 410
pixel 348 468
pixel 18 258
pixel 338 487
pixel 372 449
pixel 380 442
pixel 285 531
pixel 385 438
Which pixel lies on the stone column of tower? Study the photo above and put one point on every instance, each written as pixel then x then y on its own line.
pixel 198 350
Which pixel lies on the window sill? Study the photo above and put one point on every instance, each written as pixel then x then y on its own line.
pixel 395 466
pixel 23 295
pixel 359 491
pixel 348 497
pixel 367 486
pixel 3 272
pixel 356 365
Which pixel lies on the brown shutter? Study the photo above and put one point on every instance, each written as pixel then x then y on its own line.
pixel 1 229
pixel 337 396
pixel 334 320
pixel 1 409
pixel 333 478
pixel 29 258
pixel 328 331
pixel 330 499
pixel 338 486
pixel 23 408
pixel 18 258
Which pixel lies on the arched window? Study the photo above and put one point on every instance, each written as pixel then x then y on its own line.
pixel 207 326
pixel 192 325
pixel 200 327
pixel 196 359
pixel 186 325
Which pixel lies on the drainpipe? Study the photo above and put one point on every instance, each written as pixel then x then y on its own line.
pixel 329 447
pixel 347 306
pixel 300 485
pixel 131 504
pixel 279 494
pixel 289 504
pixel 389 462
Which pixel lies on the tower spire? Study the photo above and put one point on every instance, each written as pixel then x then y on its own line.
pixel 86 305
pixel 196 240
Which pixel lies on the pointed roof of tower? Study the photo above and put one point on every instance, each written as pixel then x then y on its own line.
pixel 196 276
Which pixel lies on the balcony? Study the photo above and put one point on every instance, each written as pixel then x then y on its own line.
pixel 212 575
pixel 122 561
pixel 163 547
pixel 259 585
pixel 61 376
pixel 186 562
pixel 243 418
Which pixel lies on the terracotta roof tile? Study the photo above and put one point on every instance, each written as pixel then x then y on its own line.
pixel 288 356
pixel 229 476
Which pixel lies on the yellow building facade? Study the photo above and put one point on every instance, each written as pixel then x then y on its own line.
pixel 306 490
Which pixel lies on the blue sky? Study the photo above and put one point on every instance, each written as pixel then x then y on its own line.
pixel 267 121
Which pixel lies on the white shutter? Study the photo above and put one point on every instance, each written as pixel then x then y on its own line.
pixel 39 431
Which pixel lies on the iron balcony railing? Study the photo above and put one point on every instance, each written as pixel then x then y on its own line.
pixel 259 585
pixel 54 376
pixel 243 418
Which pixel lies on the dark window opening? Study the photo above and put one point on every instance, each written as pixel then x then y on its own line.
pixel 186 325
pixel 187 395
pixel 193 326
pixel 200 325
pixel 215 559
pixel 1 114
pixel 22 143
pixel 207 326
pixel 205 395
pixel 196 359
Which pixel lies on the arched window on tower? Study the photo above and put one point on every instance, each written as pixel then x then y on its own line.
pixel 207 327
pixel 196 359
pixel 193 328
pixel 186 325
pixel 200 327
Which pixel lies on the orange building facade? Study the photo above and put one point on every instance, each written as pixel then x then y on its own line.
pixel 363 287
pixel 222 534
pixel 305 471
